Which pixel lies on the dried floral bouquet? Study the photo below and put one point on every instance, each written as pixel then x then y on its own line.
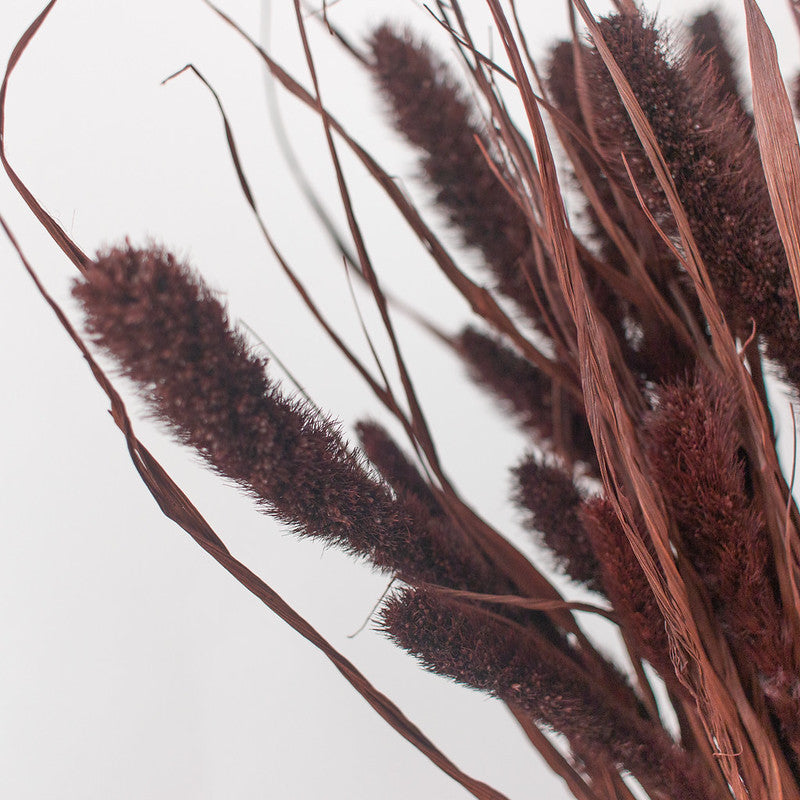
pixel 630 343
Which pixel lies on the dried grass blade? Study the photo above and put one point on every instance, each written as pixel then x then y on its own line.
pixel 612 425
pixel 237 164
pixel 555 760
pixel 515 601
pixel 419 424
pixel 463 41
pixel 479 298
pixel 502 553
pixel 780 156
pixel 73 252
pixel 382 392
pixel 776 135
pixel 727 720
pixel 177 507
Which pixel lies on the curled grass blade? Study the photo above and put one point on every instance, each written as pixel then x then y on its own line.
pixel 73 252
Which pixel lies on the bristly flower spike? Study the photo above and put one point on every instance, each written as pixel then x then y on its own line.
pixel 477 649
pixel 714 161
pixel 626 586
pixel 528 394
pixel 708 40
pixel 430 110
pixel 394 466
pixel 554 503
pixel 170 334
pixel 696 456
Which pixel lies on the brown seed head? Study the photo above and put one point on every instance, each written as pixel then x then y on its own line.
pixel 170 334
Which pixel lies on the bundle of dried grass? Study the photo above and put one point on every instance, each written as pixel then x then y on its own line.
pixel 635 367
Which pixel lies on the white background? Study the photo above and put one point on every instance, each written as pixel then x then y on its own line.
pixel 131 665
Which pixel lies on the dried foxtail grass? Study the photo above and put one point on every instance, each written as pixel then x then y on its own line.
pixel 632 355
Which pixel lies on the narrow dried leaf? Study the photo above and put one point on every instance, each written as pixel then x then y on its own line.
pixel 73 252
pixel 777 136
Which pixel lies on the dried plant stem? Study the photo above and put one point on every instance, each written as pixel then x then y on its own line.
pixel 631 346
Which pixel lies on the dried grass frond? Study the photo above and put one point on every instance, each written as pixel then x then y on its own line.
pixel 641 390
